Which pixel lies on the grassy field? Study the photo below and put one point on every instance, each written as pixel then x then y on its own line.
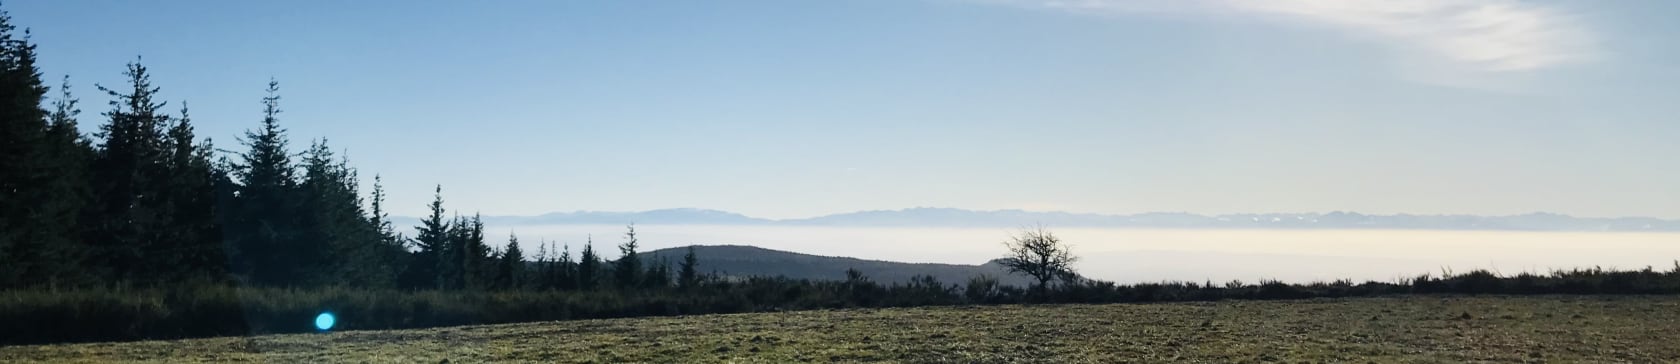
pixel 1420 329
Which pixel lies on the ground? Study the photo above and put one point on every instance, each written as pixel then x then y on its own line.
pixel 1422 329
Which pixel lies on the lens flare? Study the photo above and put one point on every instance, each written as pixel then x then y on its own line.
pixel 325 321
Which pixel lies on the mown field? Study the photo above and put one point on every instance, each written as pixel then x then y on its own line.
pixel 1422 329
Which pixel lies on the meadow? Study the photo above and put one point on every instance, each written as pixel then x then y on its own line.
pixel 1402 329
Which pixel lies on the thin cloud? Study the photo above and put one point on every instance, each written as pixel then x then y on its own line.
pixel 1480 35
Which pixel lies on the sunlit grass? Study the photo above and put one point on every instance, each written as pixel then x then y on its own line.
pixel 1386 329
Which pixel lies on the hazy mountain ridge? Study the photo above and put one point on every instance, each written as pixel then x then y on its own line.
pixel 746 260
pixel 952 217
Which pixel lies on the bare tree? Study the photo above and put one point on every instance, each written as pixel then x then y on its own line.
pixel 1039 254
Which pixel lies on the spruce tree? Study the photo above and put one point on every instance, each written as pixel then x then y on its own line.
pixel 67 184
pixel 687 272
pixel 430 242
pixel 130 178
pixel 336 240
pixel 26 233
pixel 377 216
pixel 476 270
pixel 627 270
pixel 264 223
pixel 190 247
pixel 388 256
pixel 510 273
pixel 565 270
pixel 452 261
pixel 658 274
pixel 589 266
pixel 226 191
pixel 465 259
pixel 317 234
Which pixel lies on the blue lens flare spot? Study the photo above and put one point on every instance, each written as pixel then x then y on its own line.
pixel 325 321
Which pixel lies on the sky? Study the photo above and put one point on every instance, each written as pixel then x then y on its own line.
pixel 787 109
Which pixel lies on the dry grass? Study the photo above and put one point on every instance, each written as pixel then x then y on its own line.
pixel 1422 329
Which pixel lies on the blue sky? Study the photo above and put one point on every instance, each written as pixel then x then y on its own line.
pixel 791 109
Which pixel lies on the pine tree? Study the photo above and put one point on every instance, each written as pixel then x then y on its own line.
pixel 544 264
pixel 130 181
pixel 658 274
pixel 226 190
pixel 264 223
pixel 510 272
pixel 687 273
pixel 190 247
pixel 565 270
pixel 627 270
pixel 24 163
pixel 68 185
pixel 377 216
pixel 462 265
pixel 476 272
pixel 430 242
pixel 452 254
pixel 589 266
pixel 386 259
pixel 336 238
pixel 318 237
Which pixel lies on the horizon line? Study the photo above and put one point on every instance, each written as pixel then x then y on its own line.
pixel 1098 214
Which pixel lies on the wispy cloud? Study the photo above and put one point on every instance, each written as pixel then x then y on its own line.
pixel 1474 35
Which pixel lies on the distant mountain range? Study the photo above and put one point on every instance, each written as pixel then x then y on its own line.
pixel 950 217
pixel 741 261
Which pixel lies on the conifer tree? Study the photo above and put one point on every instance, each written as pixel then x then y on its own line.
pixel 687 272
pixel 67 183
pixel 26 234
pixel 464 255
pixel 264 222
pixel 430 242
pixel 589 266
pixel 377 216
pixel 450 270
pixel 658 274
pixel 627 270
pixel 511 270
pixel 130 179
pixel 451 255
pixel 389 252
pixel 457 269
pixel 543 265
pixel 476 272
pixel 336 237
pixel 190 247
pixel 565 270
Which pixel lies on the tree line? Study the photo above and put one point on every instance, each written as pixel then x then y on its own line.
pixel 146 202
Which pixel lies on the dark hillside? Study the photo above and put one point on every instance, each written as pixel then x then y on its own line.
pixel 739 260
